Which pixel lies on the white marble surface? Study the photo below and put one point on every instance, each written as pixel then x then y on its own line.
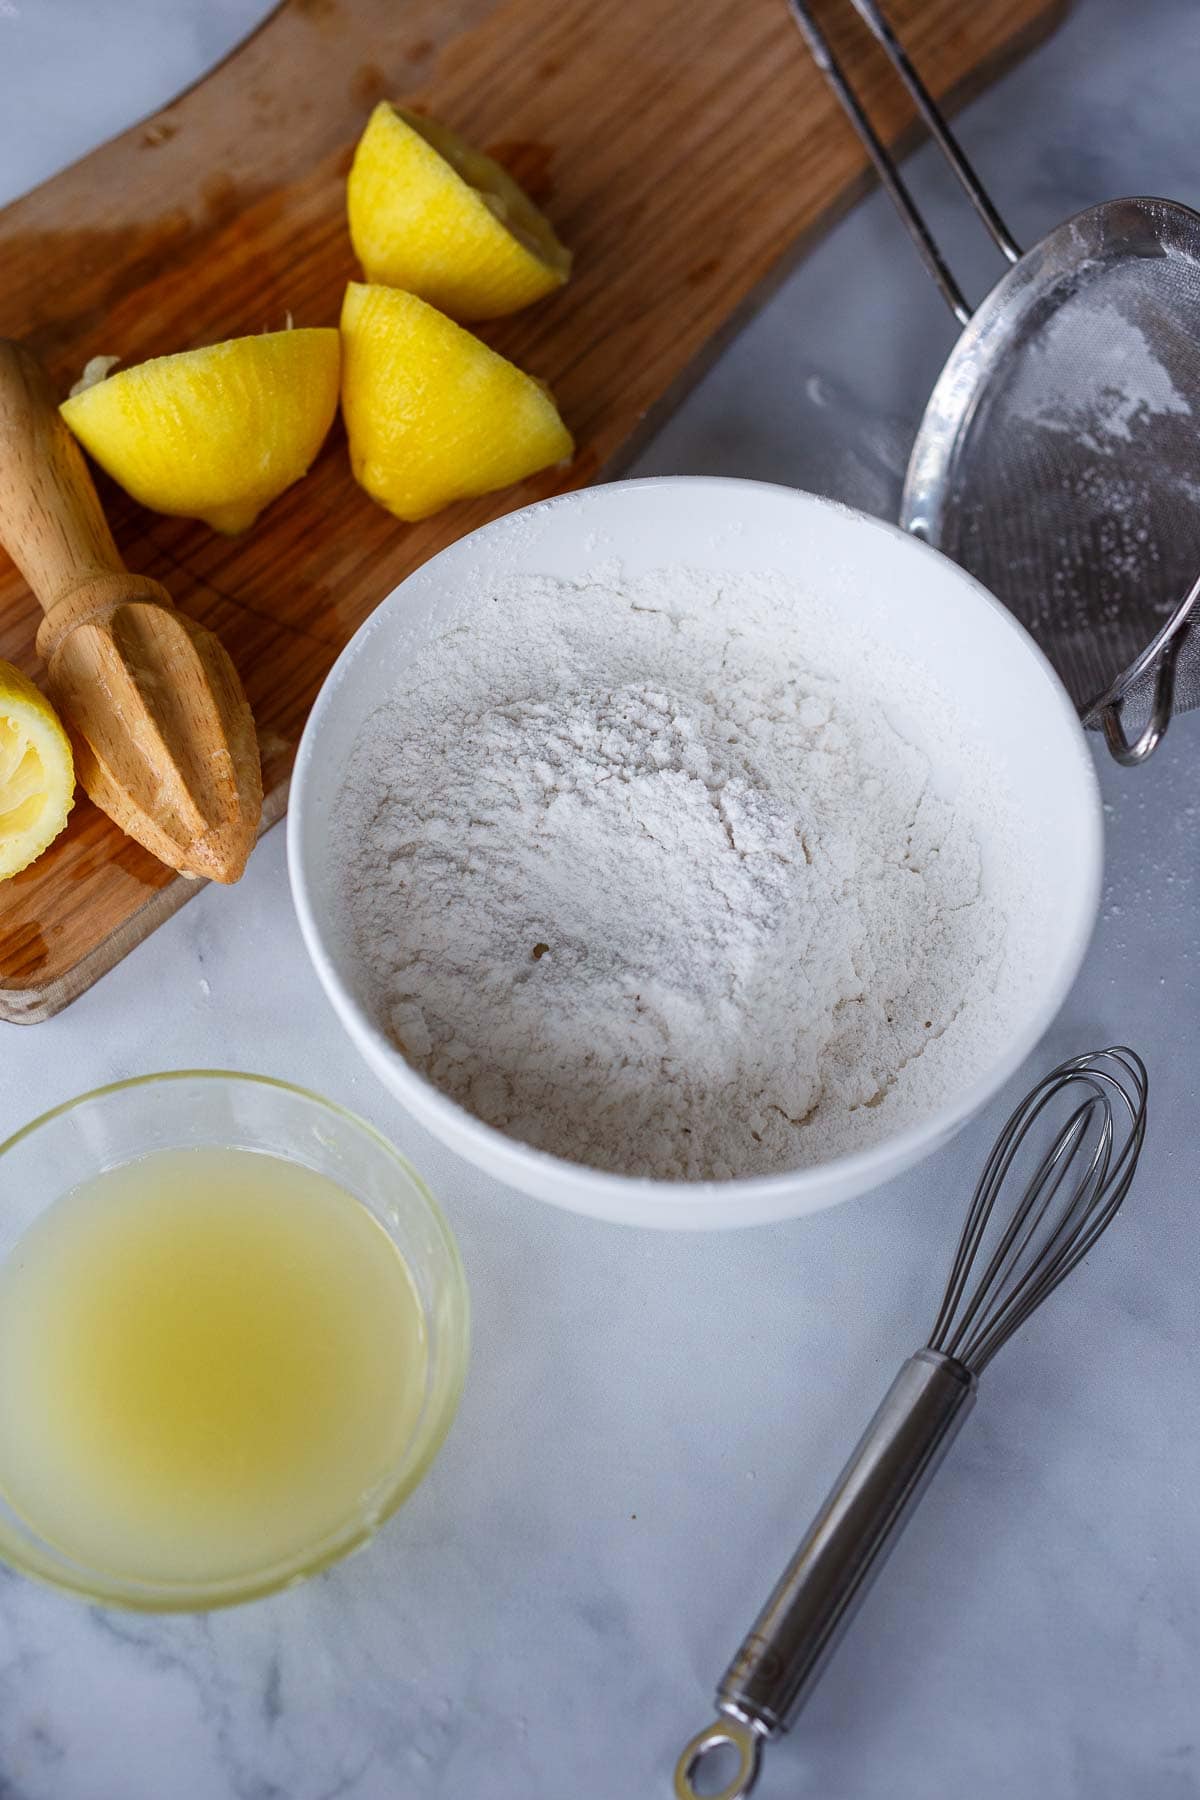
pixel 650 1421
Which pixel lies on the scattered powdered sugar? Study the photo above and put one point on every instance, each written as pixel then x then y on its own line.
pixel 1091 372
pixel 1075 483
pixel 639 872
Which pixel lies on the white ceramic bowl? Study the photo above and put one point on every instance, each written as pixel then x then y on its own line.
pixel 907 597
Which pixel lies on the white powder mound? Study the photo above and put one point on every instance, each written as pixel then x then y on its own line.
pixel 639 873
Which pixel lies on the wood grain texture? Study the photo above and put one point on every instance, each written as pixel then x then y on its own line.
pixel 162 735
pixel 684 149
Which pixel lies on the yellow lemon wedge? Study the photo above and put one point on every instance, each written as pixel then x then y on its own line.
pixel 37 773
pixel 430 214
pixel 432 414
pixel 216 433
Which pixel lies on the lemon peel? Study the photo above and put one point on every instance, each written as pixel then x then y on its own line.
pixel 214 433
pixel 432 413
pixel 430 214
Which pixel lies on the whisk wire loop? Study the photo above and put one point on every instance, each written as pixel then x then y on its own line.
pixel 1029 1214
pixel 1057 1214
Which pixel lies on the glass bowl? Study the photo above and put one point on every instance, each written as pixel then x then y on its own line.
pixel 215 1107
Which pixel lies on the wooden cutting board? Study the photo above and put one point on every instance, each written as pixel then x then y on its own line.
pixel 685 149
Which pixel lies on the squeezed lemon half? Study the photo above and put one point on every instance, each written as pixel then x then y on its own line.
pixel 432 414
pixel 216 433
pixel 37 773
pixel 430 214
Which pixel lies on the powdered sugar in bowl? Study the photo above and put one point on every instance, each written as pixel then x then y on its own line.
pixel 668 850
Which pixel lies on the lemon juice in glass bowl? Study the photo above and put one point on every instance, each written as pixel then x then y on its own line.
pixel 233 1332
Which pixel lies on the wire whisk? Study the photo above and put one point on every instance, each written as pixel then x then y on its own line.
pixel 1068 1200
pixel 1052 1184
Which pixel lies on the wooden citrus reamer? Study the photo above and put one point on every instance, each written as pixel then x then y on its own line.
pixel 163 736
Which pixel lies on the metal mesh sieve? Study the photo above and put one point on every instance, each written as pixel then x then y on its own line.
pixel 1059 457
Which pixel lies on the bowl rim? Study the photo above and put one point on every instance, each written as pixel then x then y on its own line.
pixel 600 1193
pixel 164 1596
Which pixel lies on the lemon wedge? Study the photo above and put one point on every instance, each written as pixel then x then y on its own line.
pixel 432 414
pixel 216 433
pixel 430 214
pixel 37 774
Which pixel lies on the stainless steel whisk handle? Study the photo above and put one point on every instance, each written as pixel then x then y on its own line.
pixel 815 1599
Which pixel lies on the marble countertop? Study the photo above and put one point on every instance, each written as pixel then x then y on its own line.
pixel 650 1420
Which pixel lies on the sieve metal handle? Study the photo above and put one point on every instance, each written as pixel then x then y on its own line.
pixel 885 165
pixel 1163 649
pixel 787 1647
